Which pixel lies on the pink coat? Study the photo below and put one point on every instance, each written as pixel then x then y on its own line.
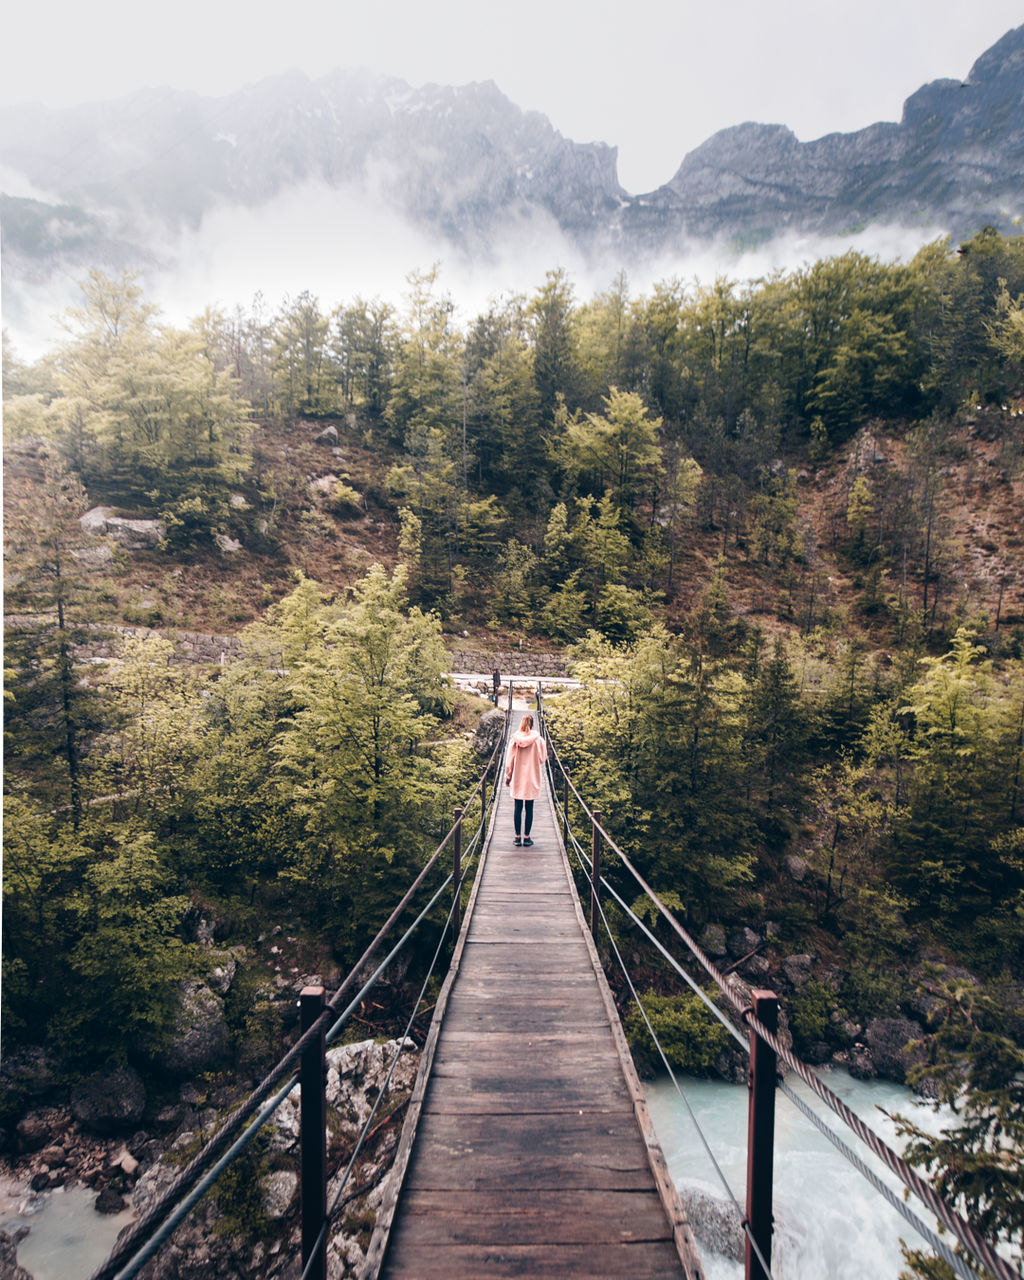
pixel 526 757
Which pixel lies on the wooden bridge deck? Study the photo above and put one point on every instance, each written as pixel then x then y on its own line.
pixel 527 1148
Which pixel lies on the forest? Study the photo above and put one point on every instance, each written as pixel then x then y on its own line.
pixel 775 527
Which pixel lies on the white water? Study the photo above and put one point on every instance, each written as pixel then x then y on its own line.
pixel 830 1222
pixel 67 1238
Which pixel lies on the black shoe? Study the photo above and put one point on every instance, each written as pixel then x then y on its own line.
pixel 527 840
pixel 517 842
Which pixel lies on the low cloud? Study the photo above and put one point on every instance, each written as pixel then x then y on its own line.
pixel 343 243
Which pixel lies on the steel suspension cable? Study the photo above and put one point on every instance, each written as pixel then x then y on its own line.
pixel 321 1239
pixel 190 1175
pixel 672 1075
pixel 981 1250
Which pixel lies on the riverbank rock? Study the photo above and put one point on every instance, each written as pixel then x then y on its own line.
pixel 888 1040
pixel 40 1129
pixel 928 976
pixel 9 1269
pixel 108 1201
pixel 714 1222
pixel 200 1037
pixel 110 1100
pixel 277 1191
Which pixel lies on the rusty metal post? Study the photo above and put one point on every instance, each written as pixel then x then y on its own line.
pixel 457 871
pixel 595 875
pixel 313 1132
pixel 761 1136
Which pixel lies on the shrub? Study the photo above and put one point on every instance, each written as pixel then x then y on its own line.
pixel 691 1037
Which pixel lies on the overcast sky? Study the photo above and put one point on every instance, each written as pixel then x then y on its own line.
pixel 652 77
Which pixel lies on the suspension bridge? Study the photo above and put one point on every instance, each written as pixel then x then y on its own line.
pixel 527 1148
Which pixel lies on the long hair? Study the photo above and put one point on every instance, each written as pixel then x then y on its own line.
pixel 526 724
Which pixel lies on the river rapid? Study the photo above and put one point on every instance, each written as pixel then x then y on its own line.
pixel 831 1224
pixel 67 1239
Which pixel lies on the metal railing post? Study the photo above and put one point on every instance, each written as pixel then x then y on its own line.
pixel 313 1132
pixel 565 804
pixel 457 874
pixel 595 877
pixel 761 1136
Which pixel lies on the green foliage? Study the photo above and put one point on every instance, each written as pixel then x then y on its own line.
pixel 239 1194
pixel 977 1163
pixel 808 1012
pixel 690 1036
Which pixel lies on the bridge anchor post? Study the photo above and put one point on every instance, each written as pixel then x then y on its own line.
pixel 761 1137
pixel 595 876
pixel 457 874
pixel 313 1133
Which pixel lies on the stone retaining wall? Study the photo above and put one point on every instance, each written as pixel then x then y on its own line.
pixel 509 662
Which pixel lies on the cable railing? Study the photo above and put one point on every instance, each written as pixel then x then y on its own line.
pixel 747 1007
pixel 323 1021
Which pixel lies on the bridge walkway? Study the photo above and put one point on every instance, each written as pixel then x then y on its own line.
pixel 527 1149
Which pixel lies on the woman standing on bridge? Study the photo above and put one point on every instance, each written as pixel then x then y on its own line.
pixel 526 756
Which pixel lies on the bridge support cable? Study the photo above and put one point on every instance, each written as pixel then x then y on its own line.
pixel 587 869
pixel 902 1208
pixel 982 1252
pixel 926 1233
pixel 316 1259
pixel 155 1226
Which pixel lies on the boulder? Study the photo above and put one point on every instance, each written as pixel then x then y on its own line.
pixel 95 520
pixel 40 1128
pixel 797 969
pixel 796 867
pixel 9 1268
pixel 53 1156
pixel 742 941
pixel 714 1222
pixel 756 969
pixel 887 1038
pixel 110 1100
pixel 200 1037
pixel 277 1191
pixel 860 1063
pixel 488 730
pixel 133 535
pixel 329 435
pixel 26 1076
pixel 93 557
pixel 928 977
pixel 108 1201
pixel 228 545
pixel 712 940
pixel 221 976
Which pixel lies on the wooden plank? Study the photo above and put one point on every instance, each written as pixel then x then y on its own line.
pixel 646 1260
pixel 566 1217
pixel 529 1159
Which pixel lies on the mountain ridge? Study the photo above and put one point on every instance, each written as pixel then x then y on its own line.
pixel 111 183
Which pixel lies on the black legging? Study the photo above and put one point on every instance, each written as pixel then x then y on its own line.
pixel 517 816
